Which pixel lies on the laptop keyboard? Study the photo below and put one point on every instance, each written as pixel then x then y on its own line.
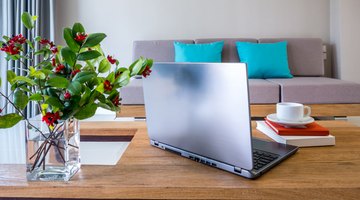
pixel 262 158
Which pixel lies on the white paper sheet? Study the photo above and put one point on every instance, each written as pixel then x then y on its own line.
pixel 102 153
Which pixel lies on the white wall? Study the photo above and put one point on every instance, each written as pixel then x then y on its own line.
pixel 345 37
pixel 127 20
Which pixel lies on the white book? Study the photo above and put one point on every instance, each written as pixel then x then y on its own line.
pixel 300 141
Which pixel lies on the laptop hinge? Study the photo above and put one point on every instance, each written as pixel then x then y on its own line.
pixel 237 169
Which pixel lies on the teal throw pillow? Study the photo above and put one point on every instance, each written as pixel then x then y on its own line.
pixel 265 60
pixel 209 52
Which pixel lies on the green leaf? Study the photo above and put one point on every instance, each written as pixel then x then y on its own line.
pixel 77 66
pixel 12 57
pixel 13 87
pixel 111 77
pixel 9 120
pixel 36 97
pixel 85 96
pixel 20 99
pixel 104 66
pixel 135 67
pixel 74 46
pixel 10 75
pixel 46 71
pixel 94 39
pixel 89 66
pixel 6 38
pixel 69 56
pixel 100 88
pixel 55 102
pixel 47 54
pixel 41 51
pixel 37 38
pixel 124 78
pixel 147 62
pixel 34 18
pixel 101 98
pixel 83 77
pixel 23 79
pixel 52 92
pixel 58 82
pixel 88 55
pixel 25 89
pixel 36 74
pixel 93 95
pixel 77 28
pixel 30 44
pixel 105 106
pixel 86 112
pixel 27 20
pixel 74 88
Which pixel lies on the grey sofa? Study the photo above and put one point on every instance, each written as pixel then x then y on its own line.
pixel 309 86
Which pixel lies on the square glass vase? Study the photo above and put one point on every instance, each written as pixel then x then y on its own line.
pixel 52 152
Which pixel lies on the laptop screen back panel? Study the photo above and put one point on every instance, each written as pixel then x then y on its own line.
pixel 202 108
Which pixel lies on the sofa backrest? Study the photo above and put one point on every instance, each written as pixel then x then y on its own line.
pixel 305 55
pixel 158 50
pixel 229 53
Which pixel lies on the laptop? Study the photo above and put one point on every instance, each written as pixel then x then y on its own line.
pixel 201 111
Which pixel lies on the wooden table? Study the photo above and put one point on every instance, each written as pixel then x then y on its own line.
pixel 145 172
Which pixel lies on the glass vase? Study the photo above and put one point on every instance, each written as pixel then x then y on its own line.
pixel 52 152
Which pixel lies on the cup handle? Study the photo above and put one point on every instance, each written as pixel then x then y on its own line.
pixel 308 111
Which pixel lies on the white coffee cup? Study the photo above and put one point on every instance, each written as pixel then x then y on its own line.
pixel 288 111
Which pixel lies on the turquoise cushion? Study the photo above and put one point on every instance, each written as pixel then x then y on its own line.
pixel 265 60
pixel 210 52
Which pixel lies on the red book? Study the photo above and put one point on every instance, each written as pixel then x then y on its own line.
pixel 312 129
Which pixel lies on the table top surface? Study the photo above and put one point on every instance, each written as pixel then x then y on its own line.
pixel 145 172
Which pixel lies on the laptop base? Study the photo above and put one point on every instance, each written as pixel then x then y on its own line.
pixel 282 150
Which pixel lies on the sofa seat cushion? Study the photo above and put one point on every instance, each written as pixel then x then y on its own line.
pixel 133 93
pixel 263 92
pixel 318 90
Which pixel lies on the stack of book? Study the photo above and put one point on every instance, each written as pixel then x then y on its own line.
pixel 309 135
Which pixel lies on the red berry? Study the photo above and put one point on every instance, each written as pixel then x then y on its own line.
pixel 44 41
pixel 80 37
pixel 67 95
pixel 51 118
pixel 53 62
pixel 111 59
pixel 146 71
pixel 54 50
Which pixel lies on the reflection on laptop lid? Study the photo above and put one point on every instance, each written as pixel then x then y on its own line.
pixel 201 111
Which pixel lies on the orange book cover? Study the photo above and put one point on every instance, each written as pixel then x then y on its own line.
pixel 312 129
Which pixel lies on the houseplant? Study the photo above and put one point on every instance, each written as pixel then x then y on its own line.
pixel 66 84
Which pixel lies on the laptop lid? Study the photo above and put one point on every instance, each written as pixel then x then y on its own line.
pixel 202 108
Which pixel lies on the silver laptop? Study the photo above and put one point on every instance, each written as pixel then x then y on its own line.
pixel 201 111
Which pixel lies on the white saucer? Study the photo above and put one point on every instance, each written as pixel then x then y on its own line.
pixel 304 121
